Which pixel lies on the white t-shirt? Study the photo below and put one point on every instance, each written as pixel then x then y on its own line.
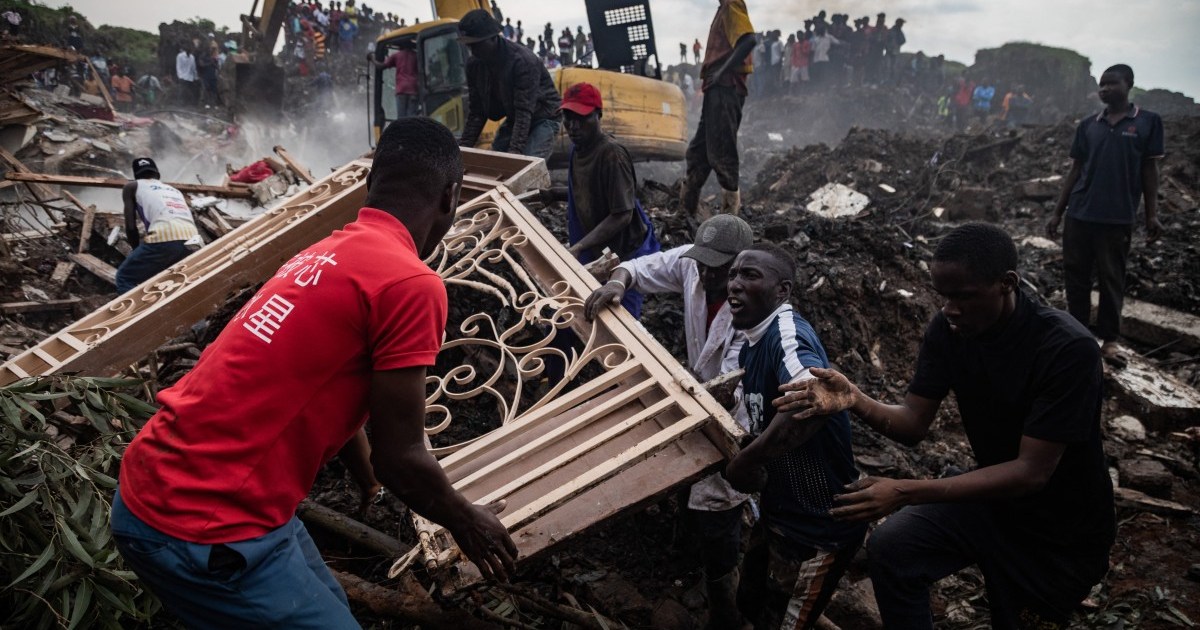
pixel 164 212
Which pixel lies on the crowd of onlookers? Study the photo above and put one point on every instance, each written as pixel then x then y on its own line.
pixel 834 50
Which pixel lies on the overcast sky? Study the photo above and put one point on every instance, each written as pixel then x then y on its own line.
pixel 1159 38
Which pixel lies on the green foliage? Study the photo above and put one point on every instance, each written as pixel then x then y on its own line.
pixel 61 441
pixel 130 46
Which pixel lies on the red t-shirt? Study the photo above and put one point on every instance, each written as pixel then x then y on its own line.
pixel 405 63
pixel 239 440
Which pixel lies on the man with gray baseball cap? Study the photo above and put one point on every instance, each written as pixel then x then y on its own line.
pixel 700 273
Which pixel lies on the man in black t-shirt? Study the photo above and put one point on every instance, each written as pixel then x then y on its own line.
pixel 602 210
pixel 1036 515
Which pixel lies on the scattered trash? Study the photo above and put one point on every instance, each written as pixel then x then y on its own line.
pixel 837 200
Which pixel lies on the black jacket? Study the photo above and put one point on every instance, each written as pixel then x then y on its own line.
pixel 516 86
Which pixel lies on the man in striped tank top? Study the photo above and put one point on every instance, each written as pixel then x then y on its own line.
pixel 163 215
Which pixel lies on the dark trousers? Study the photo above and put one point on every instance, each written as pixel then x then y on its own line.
pixel 1099 250
pixel 146 261
pixel 787 585
pixel 1029 585
pixel 714 147
pixel 719 533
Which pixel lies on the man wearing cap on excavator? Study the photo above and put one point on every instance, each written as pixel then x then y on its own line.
pixel 602 209
pixel 506 80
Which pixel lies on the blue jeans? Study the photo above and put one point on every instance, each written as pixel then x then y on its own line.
pixel 277 580
pixel 540 143
pixel 146 261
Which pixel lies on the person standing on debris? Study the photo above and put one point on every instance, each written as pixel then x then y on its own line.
pixel 404 60
pixel 12 20
pixel 696 48
pixel 603 211
pixel 185 72
pixel 148 88
pixel 1036 514
pixel 565 44
pixel 699 272
pixel 723 75
pixel 74 36
pixel 981 99
pixel 1016 107
pixel 1114 167
pixel 163 214
pixel 682 52
pixel 122 87
pixel 506 80
pixel 797 551
pixel 209 487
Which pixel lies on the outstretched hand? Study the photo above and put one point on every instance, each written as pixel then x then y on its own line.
pixel 606 295
pixel 869 499
pixel 828 393
pixel 485 541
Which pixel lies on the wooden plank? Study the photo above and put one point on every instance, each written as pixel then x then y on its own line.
pixel 40 192
pixel 1129 498
pixel 62 271
pixel 99 268
pixel 85 234
pixel 12 308
pixel 101 182
pixel 300 171
pixel 103 87
pixel 219 219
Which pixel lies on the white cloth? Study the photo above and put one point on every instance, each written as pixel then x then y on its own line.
pixel 776 53
pixel 185 66
pixel 712 350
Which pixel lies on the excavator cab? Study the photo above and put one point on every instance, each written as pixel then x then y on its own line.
pixel 441 75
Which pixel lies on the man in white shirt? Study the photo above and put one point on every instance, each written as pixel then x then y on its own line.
pixel 699 272
pixel 185 72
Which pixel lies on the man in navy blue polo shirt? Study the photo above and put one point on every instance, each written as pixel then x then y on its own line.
pixel 1114 166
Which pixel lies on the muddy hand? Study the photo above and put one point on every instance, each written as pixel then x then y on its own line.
pixel 485 541
pixel 869 499
pixel 601 298
pixel 828 393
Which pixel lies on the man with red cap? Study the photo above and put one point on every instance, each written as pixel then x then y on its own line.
pixel 602 210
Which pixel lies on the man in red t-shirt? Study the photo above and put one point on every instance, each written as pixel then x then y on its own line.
pixel 343 331
pixel 404 60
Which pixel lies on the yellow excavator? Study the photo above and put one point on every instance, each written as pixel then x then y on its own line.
pixel 647 115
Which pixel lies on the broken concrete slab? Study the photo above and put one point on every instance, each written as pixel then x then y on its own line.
pixel 1158 325
pixel 1163 402
pixel 1127 428
pixel 1146 475
pixel 1128 498
pixel 971 203
pixel 1042 188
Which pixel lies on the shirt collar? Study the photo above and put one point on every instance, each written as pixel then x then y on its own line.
pixel 753 335
pixel 1132 113
pixel 389 223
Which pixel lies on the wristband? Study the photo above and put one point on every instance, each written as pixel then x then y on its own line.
pixel 615 281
